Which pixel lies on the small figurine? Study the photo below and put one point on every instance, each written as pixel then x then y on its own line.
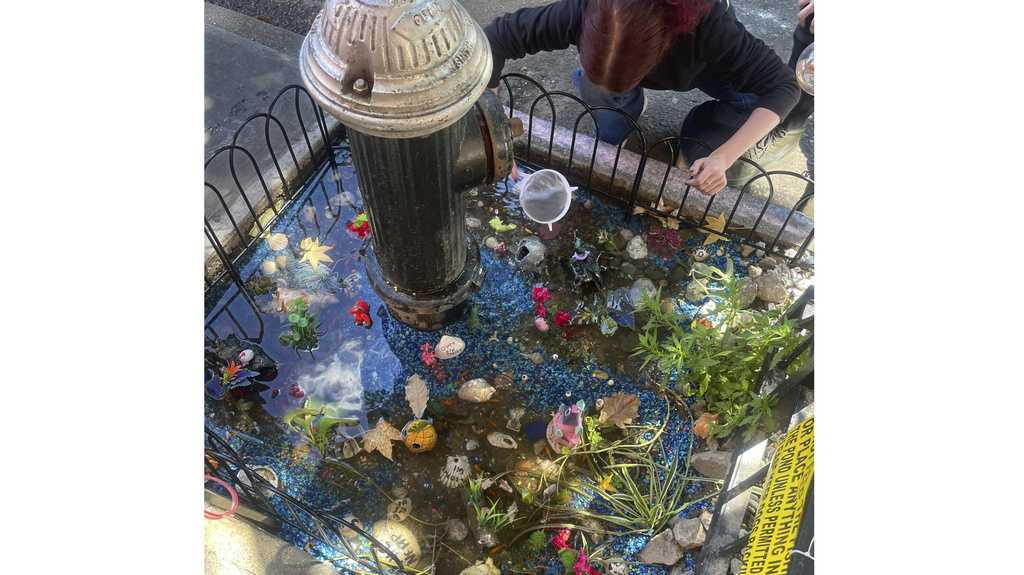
pixel 361 313
pixel 360 226
pixel 566 427
pixel 420 436
pixel 585 265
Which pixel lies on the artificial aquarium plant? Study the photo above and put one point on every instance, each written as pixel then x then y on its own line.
pixel 316 424
pixel 486 515
pixel 302 327
pixel 719 357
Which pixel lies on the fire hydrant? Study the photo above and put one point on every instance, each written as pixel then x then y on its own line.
pixel 407 79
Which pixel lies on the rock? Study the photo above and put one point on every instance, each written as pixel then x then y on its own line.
pixel 712 464
pixel 449 347
pixel 694 291
pixel 658 275
pixel 482 568
pixel 529 253
pixel 626 234
pixel 456 530
pixel 754 271
pixel 641 287
pixel 661 549
pixel 473 222
pixel 736 566
pixel 771 287
pixel 491 242
pixel 628 269
pixel 680 569
pixel 705 519
pixel 746 250
pixel 689 534
pixel 747 292
pixel 707 309
pixel 472 444
pixel 636 248
pixel 768 262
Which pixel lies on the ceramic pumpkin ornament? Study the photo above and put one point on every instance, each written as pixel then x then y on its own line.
pixel 420 436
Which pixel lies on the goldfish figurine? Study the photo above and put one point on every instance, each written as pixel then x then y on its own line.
pixel 361 313
pixel 566 427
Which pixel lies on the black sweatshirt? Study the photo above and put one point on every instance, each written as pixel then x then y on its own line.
pixel 720 49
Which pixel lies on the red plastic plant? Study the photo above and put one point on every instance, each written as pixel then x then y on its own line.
pixel 540 295
pixel 560 540
pixel 361 313
pixel 663 241
pixel 563 318
pixel 360 226
pixel 430 360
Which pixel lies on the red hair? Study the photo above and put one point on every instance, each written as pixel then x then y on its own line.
pixel 623 40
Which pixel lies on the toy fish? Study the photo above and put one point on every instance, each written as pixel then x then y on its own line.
pixel 361 314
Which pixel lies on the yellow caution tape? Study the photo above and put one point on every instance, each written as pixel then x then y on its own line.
pixel 782 504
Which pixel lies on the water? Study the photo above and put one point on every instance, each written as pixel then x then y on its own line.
pixel 361 373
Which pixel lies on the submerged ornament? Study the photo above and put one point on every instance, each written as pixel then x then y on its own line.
pixel 530 252
pixel 399 509
pixel 700 254
pixel 515 416
pixel 566 427
pixel 350 448
pixel 420 435
pixel 398 539
pixel 277 242
pixel 501 440
pixel 455 471
pixel 380 437
pixel 541 324
pixel 482 568
pixel 476 391
pixel 449 347
pixel 361 314
pixel 359 226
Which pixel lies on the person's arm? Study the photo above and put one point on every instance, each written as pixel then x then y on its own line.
pixel 745 62
pixel 530 30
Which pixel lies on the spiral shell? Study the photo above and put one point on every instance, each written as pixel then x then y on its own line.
pixel 476 391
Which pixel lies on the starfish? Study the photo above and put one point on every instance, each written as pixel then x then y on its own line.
pixel 380 437
pixel 717 224
pixel 313 252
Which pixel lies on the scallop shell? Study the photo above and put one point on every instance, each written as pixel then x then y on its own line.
pixel 455 471
pixel 476 391
pixel 449 347
pixel 269 267
pixel 277 242
pixel 501 440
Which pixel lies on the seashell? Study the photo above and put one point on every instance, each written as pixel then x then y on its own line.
pixel 472 444
pixel 491 242
pixel 399 509
pixel 245 356
pixel 268 267
pixel 503 380
pixel 456 529
pixel 455 471
pixel 449 347
pixel 281 261
pixel 501 440
pixel 476 391
pixel 399 539
pixel 264 472
pixel 350 448
pixel 420 436
pixel 536 357
pixel 514 416
pixel 277 242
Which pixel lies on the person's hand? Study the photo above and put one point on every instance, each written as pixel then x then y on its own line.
pixel 806 11
pixel 708 174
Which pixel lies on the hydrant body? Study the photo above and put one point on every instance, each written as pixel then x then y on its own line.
pixel 407 79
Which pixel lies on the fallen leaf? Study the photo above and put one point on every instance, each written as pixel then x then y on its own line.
pixel 417 394
pixel 314 253
pixel 380 437
pixel 717 224
pixel 619 410
pixel 500 226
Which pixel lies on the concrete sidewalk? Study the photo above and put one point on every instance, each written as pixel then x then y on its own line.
pixel 247 64
pixel 236 547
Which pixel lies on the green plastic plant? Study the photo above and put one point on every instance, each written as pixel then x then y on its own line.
pixel 488 517
pixel 302 327
pixel 718 360
pixel 315 424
